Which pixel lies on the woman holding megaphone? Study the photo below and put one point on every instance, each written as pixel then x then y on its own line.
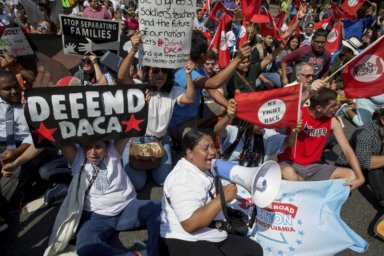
pixel 190 204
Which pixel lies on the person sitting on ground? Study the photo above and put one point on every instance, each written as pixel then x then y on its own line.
pixel 244 79
pixel 163 96
pixel 301 162
pixel 15 138
pixel 110 202
pixel 90 72
pixel 187 117
pixel 314 54
pixel 190 204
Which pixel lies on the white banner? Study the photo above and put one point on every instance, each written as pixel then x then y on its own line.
pixel 304 219
pixel 166 30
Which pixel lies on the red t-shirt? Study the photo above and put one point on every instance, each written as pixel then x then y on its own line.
pixel 310 140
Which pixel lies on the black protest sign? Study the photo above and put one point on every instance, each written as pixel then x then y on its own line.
pixel 80 114
pixel 81 36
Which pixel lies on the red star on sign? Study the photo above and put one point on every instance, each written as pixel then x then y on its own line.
pixel 44 133
pixel 132 123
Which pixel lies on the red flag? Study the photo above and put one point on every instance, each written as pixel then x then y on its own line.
pixel 363 76
pixel 323 23
pixel 334 38
pixel 339 13
pixel 243 36
pixel 219 41
pixel 297 32
pixel 352 6
pixel 206 7
pixel 279 19
pixel 269 29
pixel 218 12
pixel 250 8
pixel 276 108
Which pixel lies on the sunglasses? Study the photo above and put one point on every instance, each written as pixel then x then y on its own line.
pixel 157 70
pixel 86 61
pixel 307 75
pixel 42 26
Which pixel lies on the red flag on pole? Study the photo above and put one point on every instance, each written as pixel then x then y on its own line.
pixel 279 19
pixel 339 13
pixel 269 29
pixel 363 76
pixel 218 12
pixel 250 8
pixel 205 7
pixel 334 38
pixel 323 23
pixel 219 41
pixel 352 6
pixel 276 108
pixel 243 36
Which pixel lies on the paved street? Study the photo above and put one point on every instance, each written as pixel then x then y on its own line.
pixel 29 232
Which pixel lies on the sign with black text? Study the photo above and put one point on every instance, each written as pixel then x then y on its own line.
pixel 79 114
pixel 82 36
pixel 13 42
pixel 166 31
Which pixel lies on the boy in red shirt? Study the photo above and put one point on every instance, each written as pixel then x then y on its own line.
pixel 318 122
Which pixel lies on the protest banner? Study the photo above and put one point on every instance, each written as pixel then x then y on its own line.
pixel 13 42
pixel 166 30
pixel 81 36
pixel 276 108
pixel 304 219
pixel 78 114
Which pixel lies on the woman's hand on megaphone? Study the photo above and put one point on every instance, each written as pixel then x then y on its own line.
pixel 230 192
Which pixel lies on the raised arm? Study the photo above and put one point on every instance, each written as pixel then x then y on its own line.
pixel 220 128
pixel 123 73
pixel 189 96
pixel 220 78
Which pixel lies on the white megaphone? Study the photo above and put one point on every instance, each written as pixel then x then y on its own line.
pixel 261 182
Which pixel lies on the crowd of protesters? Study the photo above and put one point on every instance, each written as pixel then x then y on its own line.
pixel 188 109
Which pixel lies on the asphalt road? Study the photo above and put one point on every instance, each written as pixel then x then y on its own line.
pixel 28 232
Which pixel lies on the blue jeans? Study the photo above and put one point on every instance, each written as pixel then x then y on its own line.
pixel 274 77
pixel 56 171
pixel 364 110
pixel 139 177
pixel 95 230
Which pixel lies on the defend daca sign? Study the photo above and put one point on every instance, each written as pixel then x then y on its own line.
pixel 78 114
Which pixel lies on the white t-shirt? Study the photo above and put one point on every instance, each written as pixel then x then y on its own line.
pixel 112 190
pixel 160 109
pixel 187 188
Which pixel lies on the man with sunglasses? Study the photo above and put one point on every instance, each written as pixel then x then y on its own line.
pixel 314 54
pixel 90 72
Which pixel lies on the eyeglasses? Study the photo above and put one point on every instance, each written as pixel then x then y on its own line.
pixel 320 42
pixel 307 75
pixel 86 61
pixel 310 27
pixel 157 70
pixel 39 25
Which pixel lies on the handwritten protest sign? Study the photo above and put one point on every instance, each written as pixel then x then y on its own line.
pixel 79 114
pixel 14 42
pixel 82 36
pixel 166 30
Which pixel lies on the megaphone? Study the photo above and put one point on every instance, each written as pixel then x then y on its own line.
pixel 261 182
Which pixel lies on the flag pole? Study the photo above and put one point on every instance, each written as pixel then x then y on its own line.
pixel 298 118
pixel 342 67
